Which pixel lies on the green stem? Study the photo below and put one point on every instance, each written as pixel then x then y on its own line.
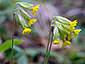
pixel 49 49
pixel 47 45
pixel 12 38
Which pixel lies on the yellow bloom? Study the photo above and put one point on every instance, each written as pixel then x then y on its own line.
pixel 66 43
pixel 76 32
pixel 70 36
pixel 73 24
pixel 35 9
pixel 72 27
pixel 26 30
pixel 56 41
pixel 31 22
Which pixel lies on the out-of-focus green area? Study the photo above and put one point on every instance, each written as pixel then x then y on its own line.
pixel 30 48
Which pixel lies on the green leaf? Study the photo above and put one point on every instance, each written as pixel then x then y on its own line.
pixel 6 45
pixel 17 52
pixel 25 5
pixel 2 19
pixel 25 14
pixel 3 31
pixel 23 60
pixel 2 12
pixel 31 52
pixel 74 56
pixel 21 21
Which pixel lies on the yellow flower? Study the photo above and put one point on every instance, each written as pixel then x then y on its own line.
pixel 70 36
pixel 66 43
pixel 26 30
pixel 73 24
pixel 35 9
pixel 31 22
pixel 72 27
pixel 76 32
pixel 56 41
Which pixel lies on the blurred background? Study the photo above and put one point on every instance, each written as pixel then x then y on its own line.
pixel 30 48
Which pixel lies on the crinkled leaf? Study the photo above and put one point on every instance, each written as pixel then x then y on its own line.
pixel 6 45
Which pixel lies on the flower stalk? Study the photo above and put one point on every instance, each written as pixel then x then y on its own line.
pixel 12 38
pixel 49 49
pixel 47 45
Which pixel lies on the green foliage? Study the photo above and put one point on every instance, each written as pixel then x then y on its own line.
pixel 78 58
pixel 74 56
pixel 31 52
pixel 2 19
pixel 23 60
pixel 3 31
pixel 6 45
pixel 17 52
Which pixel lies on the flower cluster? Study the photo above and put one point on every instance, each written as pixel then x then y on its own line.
pixel 64 30
pixel 26 16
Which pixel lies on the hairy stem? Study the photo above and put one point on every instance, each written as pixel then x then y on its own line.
pixel 49 49
pixel 12 38
pixel 47 45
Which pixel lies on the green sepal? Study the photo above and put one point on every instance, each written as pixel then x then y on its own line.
pixel 62 32
pixel 25 14
pixel 63 20
pixel 25 5
pixel 56 33
pixel 20 20
pixel 66 27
